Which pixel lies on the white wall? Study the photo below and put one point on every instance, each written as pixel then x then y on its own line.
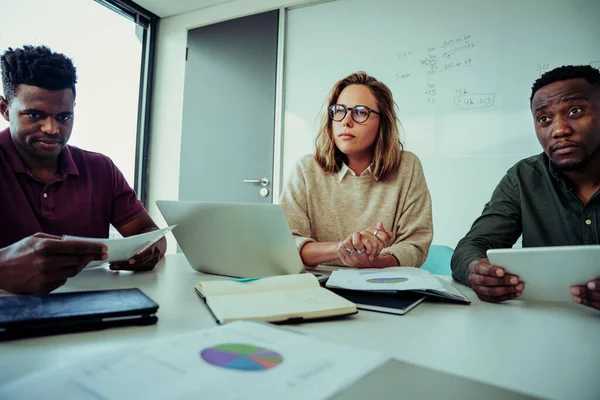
pixel 461 77
pixel 167 104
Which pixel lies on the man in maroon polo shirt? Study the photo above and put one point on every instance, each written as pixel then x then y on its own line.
pixel 49 189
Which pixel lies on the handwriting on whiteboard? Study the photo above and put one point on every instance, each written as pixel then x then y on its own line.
pixel 405 53
pixel 455 64
pixel 542 68
pixel 440 60
pixel 450 54
pixel 471 101
pixel 460 41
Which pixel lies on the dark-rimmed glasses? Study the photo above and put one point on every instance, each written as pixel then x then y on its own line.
pixel 360 114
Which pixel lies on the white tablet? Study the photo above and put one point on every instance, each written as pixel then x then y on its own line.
pixel 549 272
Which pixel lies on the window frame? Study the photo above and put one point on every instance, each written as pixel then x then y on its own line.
pixel 148 23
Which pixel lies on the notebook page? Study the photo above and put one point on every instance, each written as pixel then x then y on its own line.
pixel 451 289
pixel 387 279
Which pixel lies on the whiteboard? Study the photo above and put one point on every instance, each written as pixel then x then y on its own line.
pixel 461 73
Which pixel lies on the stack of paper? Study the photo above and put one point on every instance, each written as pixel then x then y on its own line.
pixel 394 280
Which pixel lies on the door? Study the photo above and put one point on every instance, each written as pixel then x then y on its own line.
pixel 229 111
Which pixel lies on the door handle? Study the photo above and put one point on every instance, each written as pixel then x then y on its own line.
pixel 263 181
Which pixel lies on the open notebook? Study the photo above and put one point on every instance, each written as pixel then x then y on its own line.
pixel 396 279
pixel 285 298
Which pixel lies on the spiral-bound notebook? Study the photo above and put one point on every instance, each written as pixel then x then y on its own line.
pixel 396 280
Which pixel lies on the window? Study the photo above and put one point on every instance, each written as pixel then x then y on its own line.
pixel 113 56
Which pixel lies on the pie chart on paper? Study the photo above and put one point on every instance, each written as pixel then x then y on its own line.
pixel 243 357
pixel 387 280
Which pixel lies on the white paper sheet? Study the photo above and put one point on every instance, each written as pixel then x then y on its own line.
pixel 177 368
pixel 123 248
pixel 394 280
pixel 388 279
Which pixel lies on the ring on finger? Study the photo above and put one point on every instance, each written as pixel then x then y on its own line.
pixel 349 251
pixel 359 251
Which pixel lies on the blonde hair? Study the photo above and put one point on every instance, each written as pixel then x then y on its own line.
pixel 387 148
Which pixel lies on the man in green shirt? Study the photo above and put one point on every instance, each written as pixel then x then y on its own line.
pixel 553 198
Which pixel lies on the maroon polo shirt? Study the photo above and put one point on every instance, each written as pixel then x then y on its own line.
pixel 86 195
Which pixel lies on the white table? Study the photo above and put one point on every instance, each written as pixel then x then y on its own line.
pixel 540 350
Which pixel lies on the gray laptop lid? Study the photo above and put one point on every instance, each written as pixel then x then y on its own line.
pixel 234 239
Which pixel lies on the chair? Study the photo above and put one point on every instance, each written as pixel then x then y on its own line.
pixel 438 260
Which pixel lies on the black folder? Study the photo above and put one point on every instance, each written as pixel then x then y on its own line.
pixel 40 315
pixel 391 303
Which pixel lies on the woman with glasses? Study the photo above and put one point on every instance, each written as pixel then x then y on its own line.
pixel 360 200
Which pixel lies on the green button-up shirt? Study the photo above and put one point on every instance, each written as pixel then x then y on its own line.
pixel 532 199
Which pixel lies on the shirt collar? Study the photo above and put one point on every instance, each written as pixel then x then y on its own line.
pixel 10 153
pixel 15 162
pixel 554 171
pixel 557 174
pixel 66 162
pixel 345 169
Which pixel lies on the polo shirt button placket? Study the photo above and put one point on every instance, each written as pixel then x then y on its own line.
pixel 46 201
pixel 590 236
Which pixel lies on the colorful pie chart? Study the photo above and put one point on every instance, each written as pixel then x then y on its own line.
pixel 243 357
pixel 387 280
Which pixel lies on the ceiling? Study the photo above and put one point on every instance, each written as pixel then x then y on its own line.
pixel 166 8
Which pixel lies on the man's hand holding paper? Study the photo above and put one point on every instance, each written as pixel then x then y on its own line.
pixel 133 253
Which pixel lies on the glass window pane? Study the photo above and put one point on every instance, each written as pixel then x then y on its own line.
pixel 106 49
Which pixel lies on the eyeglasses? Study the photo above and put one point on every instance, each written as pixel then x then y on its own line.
pixel 360 114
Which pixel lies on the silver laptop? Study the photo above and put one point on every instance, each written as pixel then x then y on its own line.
pixel 234 239
pixel 549 272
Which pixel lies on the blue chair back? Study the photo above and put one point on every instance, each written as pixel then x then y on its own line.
pixel 438 260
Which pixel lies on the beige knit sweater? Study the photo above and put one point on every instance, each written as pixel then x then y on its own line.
pixel 321 208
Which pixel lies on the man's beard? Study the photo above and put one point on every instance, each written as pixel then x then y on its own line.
pixel 573 166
